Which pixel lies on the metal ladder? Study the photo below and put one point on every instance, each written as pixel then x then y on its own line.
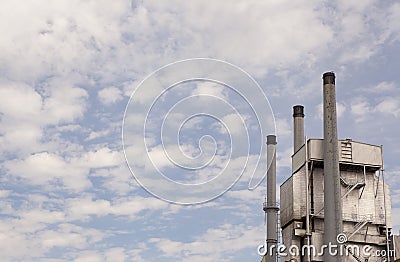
pixel 278 232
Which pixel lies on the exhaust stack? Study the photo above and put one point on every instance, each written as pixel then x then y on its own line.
pixel 298 127
pixel 270 207
pixel 333 224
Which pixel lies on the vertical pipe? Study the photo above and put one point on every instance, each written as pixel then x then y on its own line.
pixel 271 208
pixel 394 248
pixel 332 196
pixel 307 201
pixel 298 127
pixel 384 204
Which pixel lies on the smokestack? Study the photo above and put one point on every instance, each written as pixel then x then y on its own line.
pixel 270 208
pixel 298 127
pixel 332 196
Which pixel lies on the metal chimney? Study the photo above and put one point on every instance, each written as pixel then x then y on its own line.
pixel 270 207
pixel 332 196
pixel 298 127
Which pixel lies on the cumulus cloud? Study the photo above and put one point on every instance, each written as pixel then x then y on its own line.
pixel 48 168
pixel 60 58
pixel 110 95
pixel 283 128
pixel 362 108
pixel 25 113
pixel 382 87
pixel 217 244
pixel 390 106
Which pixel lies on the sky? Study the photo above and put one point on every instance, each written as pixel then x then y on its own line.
pixel 75 74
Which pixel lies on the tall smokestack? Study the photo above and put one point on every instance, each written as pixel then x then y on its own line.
pixel 332 197
pixel 298 127
pixel 271 208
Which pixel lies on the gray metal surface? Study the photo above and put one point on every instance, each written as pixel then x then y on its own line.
pixel 396 246
pixel 298 127
pixel 286 203
pixel 332 194
pixel 361 154
pixel 271 207
pixel 352 177
pixel 298 159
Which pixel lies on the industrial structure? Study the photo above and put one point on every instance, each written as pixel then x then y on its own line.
pixel 335 195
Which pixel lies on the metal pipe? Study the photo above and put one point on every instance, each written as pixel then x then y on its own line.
pixel 333 224
pixel 308 234
pixel 298 127
pixel 394 248
pixel 384 203
pixel 271 207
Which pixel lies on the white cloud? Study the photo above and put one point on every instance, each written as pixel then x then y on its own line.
pixel 84 209
pixel 216 244
pixel 131 36
pixel 21 244
pixel 26 113
pixel 381 88
pixel 4 193
pixel 20 108
pixel 110 95
pixel 19 101
pixel 67 36
pixel 47 168
pixel 209 88
pixel 283 128
pixel 246 196
pixel 284 158
pixel 359 36
pixel 362 108
pixel 56 55
pixel 392 20
pixel 64 104
pixel 235 124
pixel 395 220
pixel 115 254
pixel 97 134
pixel 390 106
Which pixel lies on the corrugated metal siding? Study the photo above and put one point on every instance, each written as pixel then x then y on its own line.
pixel 299 195
pixel 318 184
pixel 286 198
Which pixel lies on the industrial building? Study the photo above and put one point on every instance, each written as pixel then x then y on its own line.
pixel 336 194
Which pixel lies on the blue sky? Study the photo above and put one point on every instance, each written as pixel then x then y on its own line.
pixel 68 69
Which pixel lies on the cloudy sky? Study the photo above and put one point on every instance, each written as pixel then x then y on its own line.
pixel 68 69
